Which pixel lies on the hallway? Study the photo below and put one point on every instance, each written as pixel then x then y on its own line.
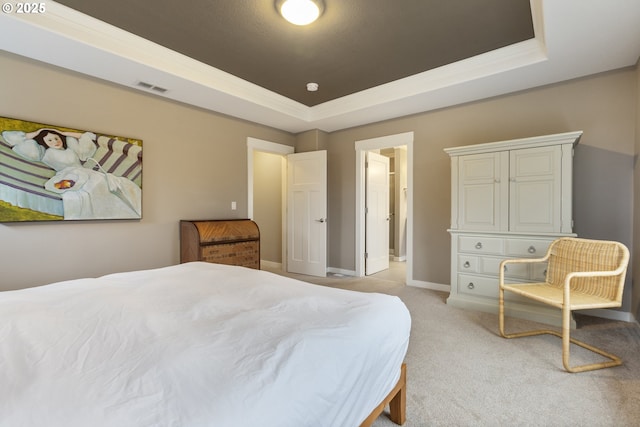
pixel 397 272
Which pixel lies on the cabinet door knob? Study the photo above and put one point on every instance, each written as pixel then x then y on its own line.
pixel 479 245
pixel 471 285
pixel 467 264
pixel 532 249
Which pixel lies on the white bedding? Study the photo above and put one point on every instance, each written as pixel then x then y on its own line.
pixel 196 344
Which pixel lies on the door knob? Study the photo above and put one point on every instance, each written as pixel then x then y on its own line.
pixel 321 220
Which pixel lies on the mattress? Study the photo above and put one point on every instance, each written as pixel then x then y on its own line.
pixel 197 344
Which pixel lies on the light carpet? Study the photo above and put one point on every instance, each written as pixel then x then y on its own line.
pixel 460 372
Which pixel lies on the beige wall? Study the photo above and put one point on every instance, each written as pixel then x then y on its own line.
pixel 312 140
pixel 267 203
pixel 194 166
pixel 603 106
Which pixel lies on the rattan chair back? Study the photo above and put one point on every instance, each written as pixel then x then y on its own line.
pixel 568 255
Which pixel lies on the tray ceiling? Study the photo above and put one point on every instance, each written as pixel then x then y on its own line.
pixel 372 60
pixel 355 45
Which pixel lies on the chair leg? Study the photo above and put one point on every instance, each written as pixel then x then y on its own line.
pixel 519 334
pixel 566 340
pixel 566 344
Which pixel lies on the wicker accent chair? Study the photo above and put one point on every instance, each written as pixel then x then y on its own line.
pixel 581 274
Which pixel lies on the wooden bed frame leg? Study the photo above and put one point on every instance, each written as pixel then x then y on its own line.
pixel 397 401
pixel 398 404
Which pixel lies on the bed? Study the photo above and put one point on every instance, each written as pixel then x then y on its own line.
pixel 199 344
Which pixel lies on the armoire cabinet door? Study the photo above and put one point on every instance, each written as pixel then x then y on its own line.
pixel 483 192
pixel 535 189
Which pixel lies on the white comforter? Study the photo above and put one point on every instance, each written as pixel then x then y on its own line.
pixel 196 344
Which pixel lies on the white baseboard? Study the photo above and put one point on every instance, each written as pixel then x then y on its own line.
pixel 270 264
pixel 610 314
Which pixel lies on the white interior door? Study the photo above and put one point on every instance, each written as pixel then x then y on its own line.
pixel 307 213
pixel 377 213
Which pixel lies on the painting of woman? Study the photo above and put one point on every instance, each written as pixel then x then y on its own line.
pixel 87 189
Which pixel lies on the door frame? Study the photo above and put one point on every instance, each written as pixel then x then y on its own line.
pixel 361 147
pixel 255 144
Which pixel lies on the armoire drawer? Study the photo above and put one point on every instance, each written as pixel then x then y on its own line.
pixel 527 248
pixel 487 287
pixel 491 266
pixel 478 285
pixel 481 245
pixel 468 264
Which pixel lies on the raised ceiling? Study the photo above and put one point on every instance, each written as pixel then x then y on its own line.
pixel 241 59
pixel 355 45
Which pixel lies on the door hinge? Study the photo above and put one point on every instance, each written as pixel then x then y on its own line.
pixel 366 255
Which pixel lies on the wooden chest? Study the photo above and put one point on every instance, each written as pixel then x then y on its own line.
pixel 233 241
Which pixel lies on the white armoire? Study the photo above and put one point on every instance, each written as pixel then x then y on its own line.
pixel 509 199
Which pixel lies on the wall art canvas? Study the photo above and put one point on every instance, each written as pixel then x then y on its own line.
pixel 53 173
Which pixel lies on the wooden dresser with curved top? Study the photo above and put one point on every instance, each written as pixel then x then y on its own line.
pixel 221 241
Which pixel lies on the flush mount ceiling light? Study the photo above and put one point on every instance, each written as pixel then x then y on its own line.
pixel 300 12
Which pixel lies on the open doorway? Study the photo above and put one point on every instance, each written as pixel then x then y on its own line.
pixel 403 144
pixel 266 170
pixel 287 199
pixel 398 188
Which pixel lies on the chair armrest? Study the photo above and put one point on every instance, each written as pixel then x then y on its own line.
pixel 602 273
pixel 522 260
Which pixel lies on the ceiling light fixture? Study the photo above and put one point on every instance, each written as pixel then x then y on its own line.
pixel 300 12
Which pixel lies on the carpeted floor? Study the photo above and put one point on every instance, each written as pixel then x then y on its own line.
pixel 462 373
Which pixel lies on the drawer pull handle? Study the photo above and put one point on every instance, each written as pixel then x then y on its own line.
pixel 479 245
pixel 471 285
pixel 532 249
pixel 467 264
